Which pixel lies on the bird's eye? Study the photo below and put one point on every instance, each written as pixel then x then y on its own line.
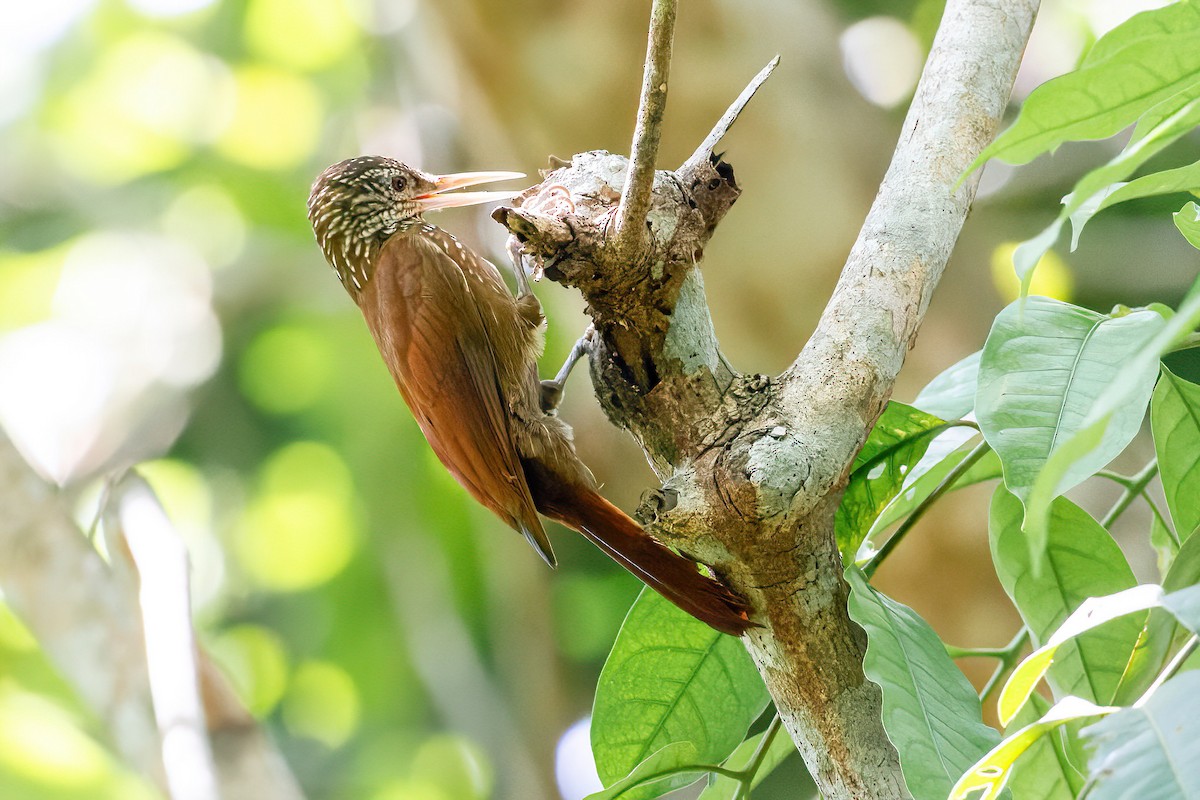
pixel 399 183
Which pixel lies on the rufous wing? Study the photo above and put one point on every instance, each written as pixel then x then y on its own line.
pixel 428 327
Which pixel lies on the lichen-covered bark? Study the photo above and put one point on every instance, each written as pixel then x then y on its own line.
pixel 753 467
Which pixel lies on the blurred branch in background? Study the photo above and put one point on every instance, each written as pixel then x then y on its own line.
pixel 85 614
pixel 136 524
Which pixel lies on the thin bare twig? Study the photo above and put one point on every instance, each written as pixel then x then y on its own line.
pixel 639 180
pixel 729 117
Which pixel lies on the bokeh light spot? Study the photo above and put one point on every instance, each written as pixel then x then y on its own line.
pixel 408 789
pixel 882 58
pixel 285 369
pixel 168 8
pixel 301 530
pixel 256 662
pixel 301 34
pixel 41 741
pixel 1051 278
pixel 322 703
pixel 456 765
pixel 14 636
pixel 141 108
pixel 28 27
pixel 574 765
pixel 27 284
pixel 276 119
pixel 208 220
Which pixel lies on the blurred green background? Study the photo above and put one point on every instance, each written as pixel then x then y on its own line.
pixel 162 301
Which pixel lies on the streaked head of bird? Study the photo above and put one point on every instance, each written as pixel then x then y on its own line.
pixel 358 204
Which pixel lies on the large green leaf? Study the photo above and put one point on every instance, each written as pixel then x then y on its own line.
pixel 1137 65
pixel 992 772
pixel 898 426
pixel 894 447
pixel 1043 770
pixel 1162 125
pixel 1091 614
pixel 1152 751
pixel 1171 181
pixel 951 395
pixel 1044 366
pixel 1154 646
pixel 930 711
pixel 1080 561
pixel 1175 420
pixel 671 678
pixel 1110 417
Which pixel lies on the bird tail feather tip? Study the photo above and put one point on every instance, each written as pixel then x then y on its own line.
pixel 674 577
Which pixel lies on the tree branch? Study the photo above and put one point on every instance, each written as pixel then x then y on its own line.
pixel 639 179
pixel 753 467
pixel 840 382
pixel 86 618
pixel 705 151
pixel 136 520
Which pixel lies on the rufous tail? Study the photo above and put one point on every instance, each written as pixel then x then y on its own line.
pixel 662 569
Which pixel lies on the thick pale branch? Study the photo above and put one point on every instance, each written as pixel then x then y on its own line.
pixel 840 382
pixel 639 180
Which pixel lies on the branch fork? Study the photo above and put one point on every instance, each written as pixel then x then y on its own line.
pixel 755 467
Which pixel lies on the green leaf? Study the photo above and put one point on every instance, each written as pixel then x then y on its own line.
pixel 1185 569
pixel 1151 751
pixel 1112 416
pixel 721 787
pixel 1171 181
pixel 671 678
pixel 1153 649
pixel 1044 770
pixel 944 454
pixel 1175 421
pixel 894 447
pixel 951 395
pixel 992 772
pixel 1185 606
pixel 1091 614
pixel 656 775
pixel 930 711
pixel 1187 220
pixel 1137 65
pixel 1044 366
pixel 1080 561
pixel 1162 125
pixel 898 426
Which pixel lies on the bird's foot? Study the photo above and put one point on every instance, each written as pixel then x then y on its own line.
pixel 552 390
